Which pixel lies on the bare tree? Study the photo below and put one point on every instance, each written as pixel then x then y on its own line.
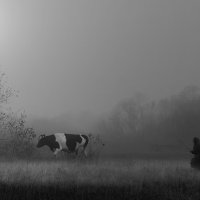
pixel 12 126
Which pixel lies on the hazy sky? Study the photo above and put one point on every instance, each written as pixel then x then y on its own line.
pixel 70 55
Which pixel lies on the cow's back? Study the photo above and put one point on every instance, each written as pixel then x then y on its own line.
pixel 71 142
pixel 61 139
pixel 73 137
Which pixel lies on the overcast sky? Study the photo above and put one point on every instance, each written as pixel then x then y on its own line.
pixel 70 55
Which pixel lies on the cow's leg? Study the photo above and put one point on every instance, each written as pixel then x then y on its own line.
pixel 85 152
pixel 56 152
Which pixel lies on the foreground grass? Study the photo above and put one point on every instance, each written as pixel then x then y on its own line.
pixel 103 180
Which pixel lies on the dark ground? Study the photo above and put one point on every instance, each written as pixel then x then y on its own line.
pixel 91 192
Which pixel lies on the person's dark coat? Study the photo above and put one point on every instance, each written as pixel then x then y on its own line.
pixel 196 147
pixel 195 161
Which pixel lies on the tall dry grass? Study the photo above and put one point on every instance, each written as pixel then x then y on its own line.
pixel 117 179
pixel 102 172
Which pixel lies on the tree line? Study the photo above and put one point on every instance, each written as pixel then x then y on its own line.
pixel 170 123
pixel 131 122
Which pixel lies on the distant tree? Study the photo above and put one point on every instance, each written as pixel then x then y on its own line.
pixel 178 116
pixel 127 116
pixel 186 111
pixel 13 130
pixel 190 92
pixel 172 117
pixel 6 93
pixel 20 137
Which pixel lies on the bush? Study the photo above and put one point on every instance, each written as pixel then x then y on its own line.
pixel 20 137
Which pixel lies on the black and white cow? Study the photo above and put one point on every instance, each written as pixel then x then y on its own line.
pixel 70 143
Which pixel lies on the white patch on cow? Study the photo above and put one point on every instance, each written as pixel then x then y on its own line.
pixel 61 139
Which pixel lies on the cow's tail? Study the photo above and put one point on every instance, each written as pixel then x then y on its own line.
pixel 86 140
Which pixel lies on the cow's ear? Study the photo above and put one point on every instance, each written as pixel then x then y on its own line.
pixel 41 136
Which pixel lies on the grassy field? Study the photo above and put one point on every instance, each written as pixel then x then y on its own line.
pixel 117 179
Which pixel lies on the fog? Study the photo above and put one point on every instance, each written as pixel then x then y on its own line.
pixel 76 56
pixel 79 65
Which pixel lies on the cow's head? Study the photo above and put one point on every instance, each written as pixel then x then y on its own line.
pixel 41 141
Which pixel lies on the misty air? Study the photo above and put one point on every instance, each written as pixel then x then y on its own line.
pixel 99 99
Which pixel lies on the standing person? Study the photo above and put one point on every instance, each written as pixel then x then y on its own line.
pixel 195 162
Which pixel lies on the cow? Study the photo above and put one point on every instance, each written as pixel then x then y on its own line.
pixel 70 143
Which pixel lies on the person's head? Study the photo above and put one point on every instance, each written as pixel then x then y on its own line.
pixel 196 140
